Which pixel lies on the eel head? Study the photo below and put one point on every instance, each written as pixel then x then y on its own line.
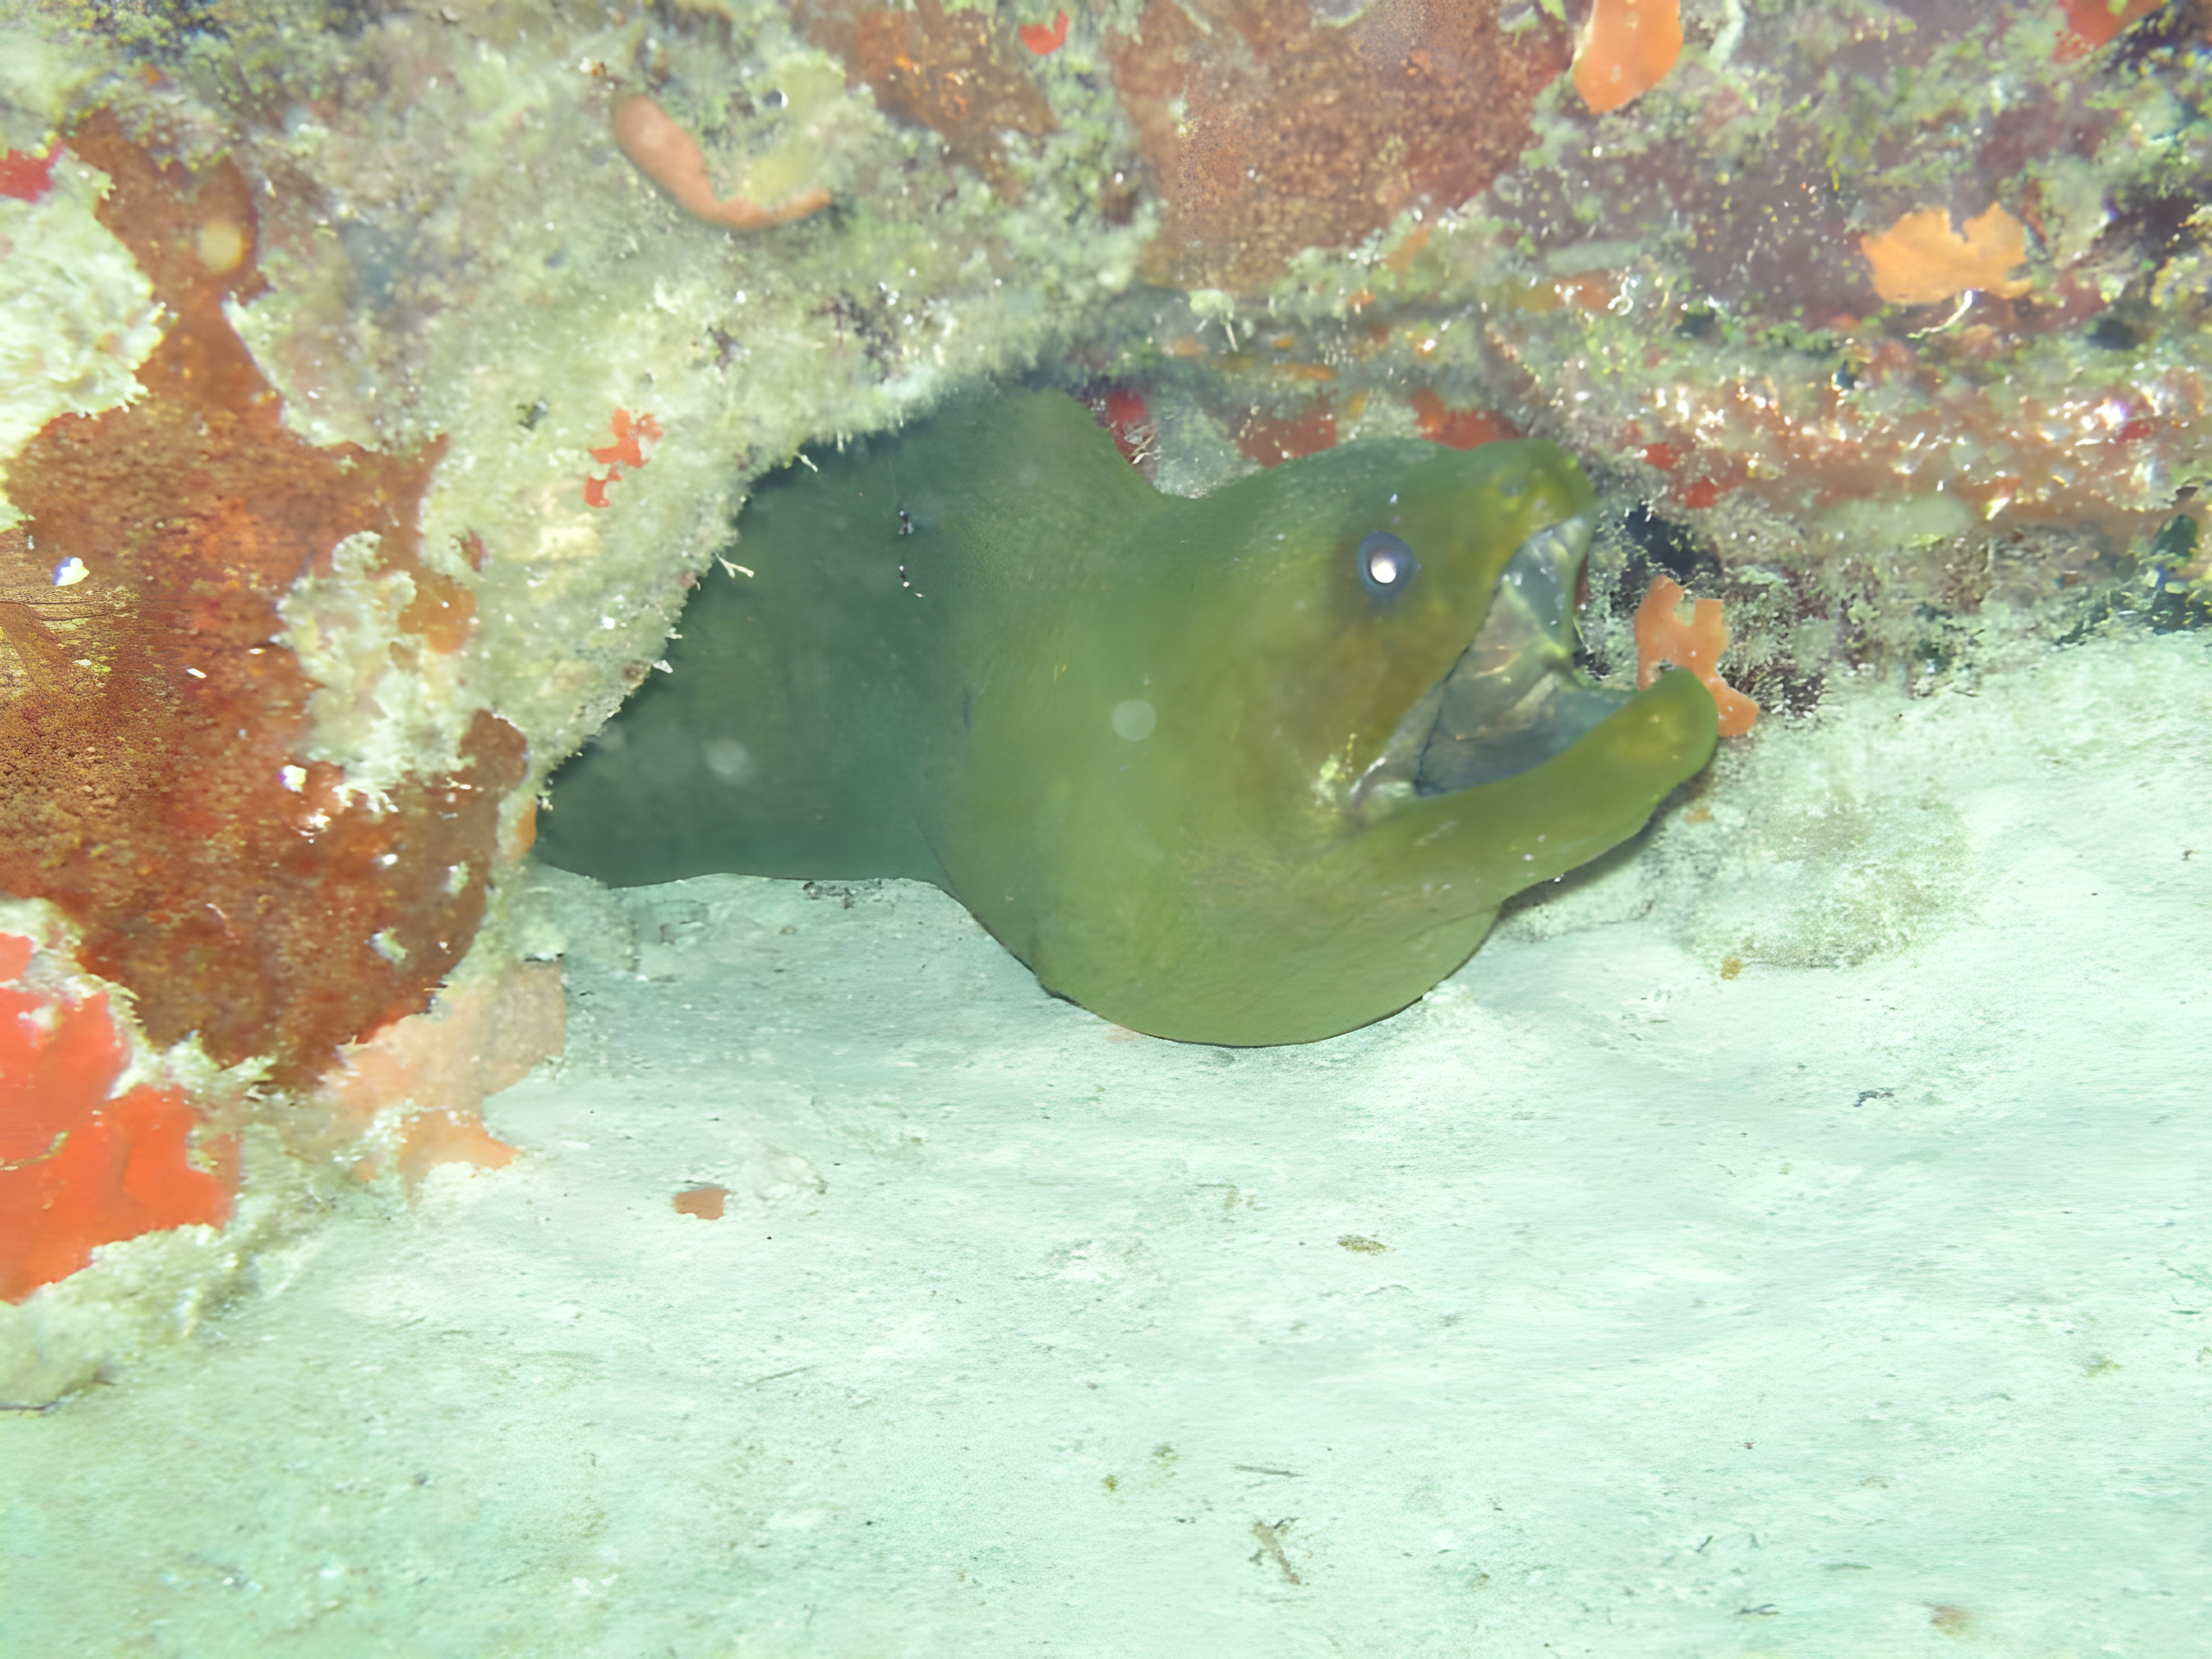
pixel 1277 772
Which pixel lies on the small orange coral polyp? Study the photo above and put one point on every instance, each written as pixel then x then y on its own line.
pixel 25 177
pixel 707 1203
pixel 1661 636
pixel 2091 23
pixel 1457 428
pixel 1921 260
pixel 1626 48
pixel 1272 440
pixel 1044 40
pixel 625 450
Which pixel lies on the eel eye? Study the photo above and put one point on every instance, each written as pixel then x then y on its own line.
pixel 1386 565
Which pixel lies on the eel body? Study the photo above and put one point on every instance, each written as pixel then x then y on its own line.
pixel 1256 768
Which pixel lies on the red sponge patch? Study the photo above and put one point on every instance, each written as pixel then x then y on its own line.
pixel 77 1168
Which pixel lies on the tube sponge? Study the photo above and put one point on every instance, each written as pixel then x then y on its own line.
pixel 671 158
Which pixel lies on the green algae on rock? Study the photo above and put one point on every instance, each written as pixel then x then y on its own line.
pixel 1227 770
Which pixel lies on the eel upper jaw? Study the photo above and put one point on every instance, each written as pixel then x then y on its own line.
pixel 1512 700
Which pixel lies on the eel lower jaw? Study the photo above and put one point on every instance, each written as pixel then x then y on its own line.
pixel 1512 700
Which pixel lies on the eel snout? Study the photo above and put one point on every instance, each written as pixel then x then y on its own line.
pixel 1514 699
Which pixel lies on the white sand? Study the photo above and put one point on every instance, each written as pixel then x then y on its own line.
pixel 1860 1304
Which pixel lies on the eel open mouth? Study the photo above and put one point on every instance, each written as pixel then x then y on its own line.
pixel 1514 699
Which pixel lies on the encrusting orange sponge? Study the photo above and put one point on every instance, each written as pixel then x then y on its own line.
pixel 430 1073
pixel 2091 23
pixel 80 1167
pixel 1625 49
pixel 1921 260
pixel 1661 636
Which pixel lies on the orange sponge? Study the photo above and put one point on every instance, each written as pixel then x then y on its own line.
pixel 1457 429
pixel 1921 260
pixel 79 1169
pixel 432 1072
pixel 2091 23
pixel 1661 636
pixel 1625 49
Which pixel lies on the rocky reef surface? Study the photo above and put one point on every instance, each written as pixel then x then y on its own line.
pixel 376 379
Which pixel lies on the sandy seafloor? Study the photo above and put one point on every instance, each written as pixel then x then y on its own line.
pixel 1860 1304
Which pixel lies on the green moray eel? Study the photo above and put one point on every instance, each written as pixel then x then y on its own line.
pixel 1256 768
